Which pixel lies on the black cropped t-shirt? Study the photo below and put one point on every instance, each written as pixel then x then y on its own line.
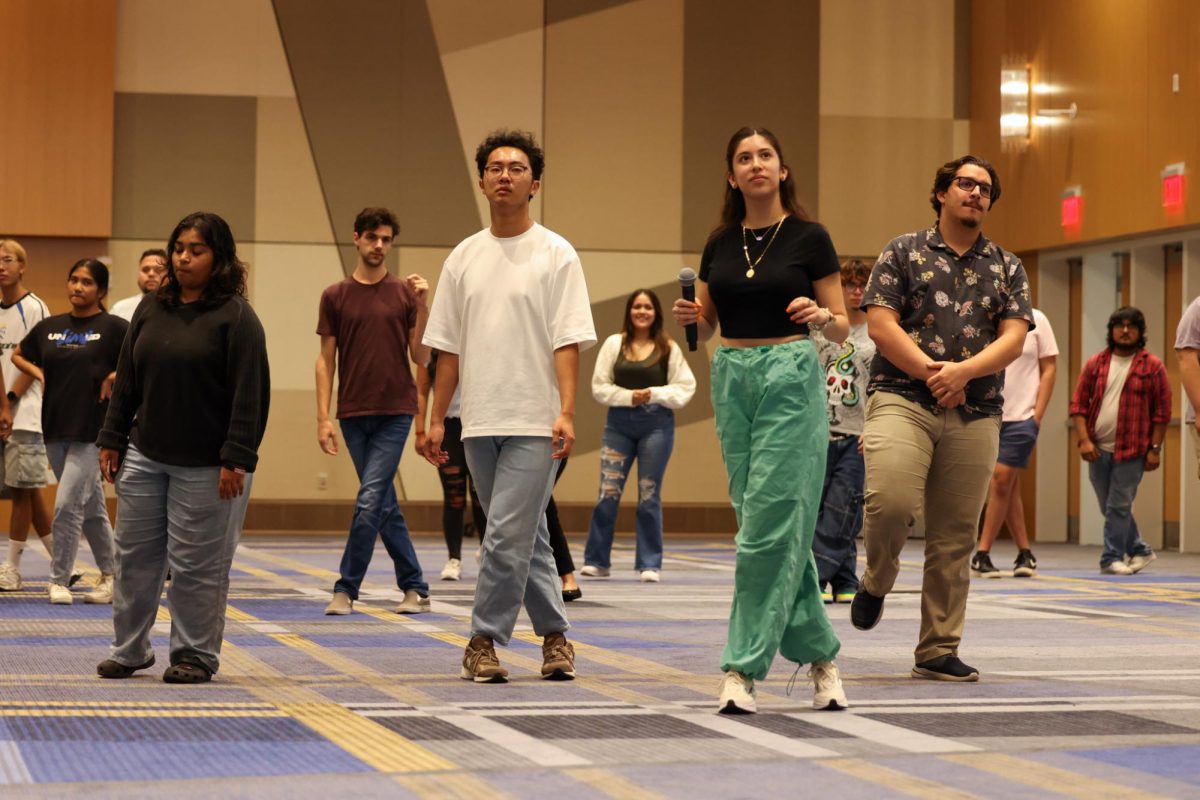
pixel 756 308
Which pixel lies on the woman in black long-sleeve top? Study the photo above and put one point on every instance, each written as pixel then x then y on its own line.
pixel 181 439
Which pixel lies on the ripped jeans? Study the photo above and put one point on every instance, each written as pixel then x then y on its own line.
pixel 646 432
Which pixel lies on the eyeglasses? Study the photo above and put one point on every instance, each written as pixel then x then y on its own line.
pixel 8 260
pixel 968 185
pixel 515 171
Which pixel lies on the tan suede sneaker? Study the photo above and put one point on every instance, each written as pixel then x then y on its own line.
pixel 558 658
pixel 480 663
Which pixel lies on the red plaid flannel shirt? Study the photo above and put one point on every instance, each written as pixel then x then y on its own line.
pixel 1145 401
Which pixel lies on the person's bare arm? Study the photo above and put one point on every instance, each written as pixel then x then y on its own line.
pixel 444 385
pixel 1047 370
pixel 423 388
pixel 951 377
pixel 566 368
pixel 883 326
pixel 834 326
pixel 326 367
pixel 1189 374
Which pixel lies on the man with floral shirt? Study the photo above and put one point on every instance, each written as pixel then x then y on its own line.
pixel 948 310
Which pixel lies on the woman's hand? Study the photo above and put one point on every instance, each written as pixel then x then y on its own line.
pixel 231 485
pixel 805 311
pixel 686 312
pixel 106 386
pixel 641 397
pixel 419 443
pixel 110 463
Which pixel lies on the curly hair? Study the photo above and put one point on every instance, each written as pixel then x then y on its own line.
pixel 1127 314
pixel 521 140
pixel 228 276
pixel 949 171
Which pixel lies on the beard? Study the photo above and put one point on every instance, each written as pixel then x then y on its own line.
pixel 970 222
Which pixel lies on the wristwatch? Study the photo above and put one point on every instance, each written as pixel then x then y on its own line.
pixel 1156 448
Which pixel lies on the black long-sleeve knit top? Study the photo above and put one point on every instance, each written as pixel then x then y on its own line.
pixel 193 385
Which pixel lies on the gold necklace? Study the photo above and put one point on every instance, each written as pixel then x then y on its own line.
pixel 746 247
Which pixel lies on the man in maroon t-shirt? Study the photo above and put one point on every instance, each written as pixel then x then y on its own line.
pixel 367 323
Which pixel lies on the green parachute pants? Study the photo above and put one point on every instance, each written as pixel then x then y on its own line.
pixel 770 413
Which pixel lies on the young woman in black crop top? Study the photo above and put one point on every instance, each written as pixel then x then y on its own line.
pixel 768 275
pixel 642 377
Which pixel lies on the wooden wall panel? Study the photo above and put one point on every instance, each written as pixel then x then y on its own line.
pixel 56 140
pixel 1115 60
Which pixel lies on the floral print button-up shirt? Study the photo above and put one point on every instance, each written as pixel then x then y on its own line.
pixel 951 306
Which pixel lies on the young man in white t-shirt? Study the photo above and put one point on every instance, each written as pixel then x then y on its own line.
pixel 509 318
pixel 1028 384
pixel 152 268
pixel 23 466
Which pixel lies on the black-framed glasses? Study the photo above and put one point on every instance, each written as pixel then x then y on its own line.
pixel 968 185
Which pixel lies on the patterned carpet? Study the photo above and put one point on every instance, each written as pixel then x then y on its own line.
pixel 1091 688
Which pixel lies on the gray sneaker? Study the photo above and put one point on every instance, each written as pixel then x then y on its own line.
pixel 340 605
pixel 413 603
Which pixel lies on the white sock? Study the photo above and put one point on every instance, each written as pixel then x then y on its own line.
pixel 14 553
pixel 48 543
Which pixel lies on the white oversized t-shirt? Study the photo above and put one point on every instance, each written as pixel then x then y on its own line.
pixel 15 322
pixel 504 306
pixel 1022 377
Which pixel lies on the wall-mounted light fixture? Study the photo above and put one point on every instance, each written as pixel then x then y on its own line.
pixel 1014 106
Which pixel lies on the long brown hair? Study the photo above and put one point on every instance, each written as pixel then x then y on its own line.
pixel 662 342
pixel 734 209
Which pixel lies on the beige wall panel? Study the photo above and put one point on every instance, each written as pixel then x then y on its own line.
pixel 876 175
pixel 286 284
pixel 288 204
pixel 603 71
pixel 459 25
pixel 290 462
pixel 887 58
pixel 613 275
pixel 478 107
pixel 200 47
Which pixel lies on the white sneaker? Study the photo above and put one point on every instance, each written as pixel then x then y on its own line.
pixel 827 686
pixel 1116 568
pixel 413 603
pixel 10 579
pixel 1139 563
pixel 102 594
pixel 453 570
pixel 592 571
pixel 737 694
pixel 649 576
pixel 60 595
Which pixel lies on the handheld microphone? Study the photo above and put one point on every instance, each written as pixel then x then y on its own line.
pixel 687 285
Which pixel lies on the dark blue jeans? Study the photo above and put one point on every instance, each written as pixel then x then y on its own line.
pixel 1116 484
pixel 841 516
pixel 376 444
pixel 647 433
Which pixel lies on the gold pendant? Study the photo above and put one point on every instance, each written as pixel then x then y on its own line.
pixel 750 272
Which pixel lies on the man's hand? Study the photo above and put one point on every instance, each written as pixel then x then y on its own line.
pixel 1088 450
pixel 419 286
pixel 231 485
pixel 110 462
pixel 1153 459
pixel 5 421
pixel 954 400
pixel 949 378
pixel 641 397
pixel 326 437
pixel 562 437
pixel 434 453
pixel 419 443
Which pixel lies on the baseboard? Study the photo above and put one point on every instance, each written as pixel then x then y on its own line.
pixel 320 516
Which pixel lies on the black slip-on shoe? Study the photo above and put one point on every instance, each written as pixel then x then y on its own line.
pixel 866 610
pixel 945 668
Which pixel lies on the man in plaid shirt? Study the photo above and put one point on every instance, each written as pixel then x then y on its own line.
pixel 1121 408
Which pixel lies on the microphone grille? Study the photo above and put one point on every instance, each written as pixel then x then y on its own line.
pixel 687 276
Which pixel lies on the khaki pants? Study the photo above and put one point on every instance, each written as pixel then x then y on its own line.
pixel 942 459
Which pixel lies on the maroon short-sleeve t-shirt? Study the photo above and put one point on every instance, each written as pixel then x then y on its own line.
pixel 371 324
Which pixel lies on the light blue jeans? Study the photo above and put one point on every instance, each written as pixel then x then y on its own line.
pixel 170 516
pixel 79 505
pixel 514 476
pixel 646 433
pixel 1116 484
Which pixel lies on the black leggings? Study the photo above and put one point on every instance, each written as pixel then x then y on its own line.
pixel 558 539
pixel 456 484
